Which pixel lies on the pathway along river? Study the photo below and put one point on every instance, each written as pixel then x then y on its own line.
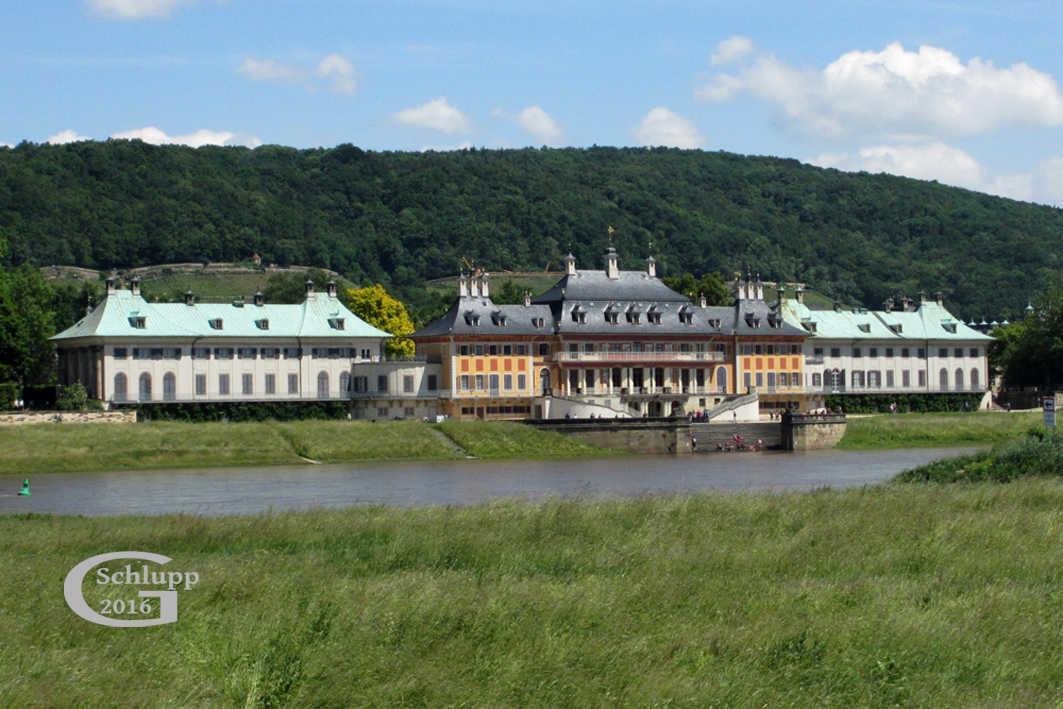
pixel 221 491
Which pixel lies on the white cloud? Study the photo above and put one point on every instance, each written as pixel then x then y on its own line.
pixel 335 69
pixel 926 92
pixel 540 125
pixel 731 49
pixel 953 166
pixel 339 71
pixel 269 70
pixel 67 136
pixel 662 127
pixel 438 115
pixel 155 136
pixel 134 9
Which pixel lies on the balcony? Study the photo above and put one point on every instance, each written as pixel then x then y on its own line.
pixel 564 357
pixel 813 359
pixel 396 395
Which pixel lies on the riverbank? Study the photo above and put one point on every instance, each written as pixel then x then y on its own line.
pixel 942 595
pixel 55 448
pixel 936 430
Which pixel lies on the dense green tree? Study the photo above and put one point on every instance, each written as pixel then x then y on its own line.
pixel 291 287
pixel 711 285
pixel 1029 353
pixel 376 307
pixel 400 218
pixel 26 323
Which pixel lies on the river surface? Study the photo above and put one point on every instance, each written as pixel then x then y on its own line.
pixel 220 491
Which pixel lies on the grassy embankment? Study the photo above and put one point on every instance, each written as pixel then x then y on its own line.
pixel 51 448
pixel 928 595
pixel 1035 455
pixel 936 429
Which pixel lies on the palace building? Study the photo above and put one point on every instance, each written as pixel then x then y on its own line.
pixel 129 350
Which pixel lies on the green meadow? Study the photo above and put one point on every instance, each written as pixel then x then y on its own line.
pixel 936 430
pixel 897 595
pixel 54 448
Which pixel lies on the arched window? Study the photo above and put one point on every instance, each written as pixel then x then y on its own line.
pixel 943 379
pixel 959 379
pixel 145 387
pixel 169 387
pixel 345 384
pixel 544 382
pixel 974 379
pixel 322 385
pixel 721 380
pixel 120 391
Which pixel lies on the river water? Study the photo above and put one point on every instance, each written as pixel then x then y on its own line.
pixel 221 491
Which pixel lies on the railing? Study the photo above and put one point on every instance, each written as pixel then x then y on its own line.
pixel 640 356
pixel 426 394
pixel 813 359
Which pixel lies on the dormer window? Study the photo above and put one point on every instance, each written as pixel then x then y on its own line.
pixel 634 315
pixel 579 315
pixel 714 323
pixel 752 321
pixel 686 315
pixel 499 318
pixel 138 321
pixel 949 327
pixel 653 315
pixel 262 324
pixel 538 322
pixel 897 328
pixel 337 323
pixel 215 323
pixel 809 325
pixel 864 327
pixel 471 318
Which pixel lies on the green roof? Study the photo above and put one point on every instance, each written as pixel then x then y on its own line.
pixel 319 316
pixel 929 321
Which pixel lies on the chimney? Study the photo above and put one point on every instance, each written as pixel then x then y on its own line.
pixel 612 268
pixel 485 291
pixel 740 287
pixel 939 296
pixel 474 285
pixel 759 289
pixel 703 302
pixel 799 293
pixel 309 287
pixel 527 298
pixel 570 265
pixel 922 297
pixel 260 299
pixel 134 285
pixel 331 287
pixel 463 285
pixel 837 307
pixel 110 284
pixel 780 291
pixel 905 302
pixel 651 267
pixel 189 298
pixel 887 305
pixel 88 305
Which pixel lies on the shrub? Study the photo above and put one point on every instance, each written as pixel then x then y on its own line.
pixel 73 397
pixel 1038 454
pixel 244 411
pixel 8 393
pixel 914 403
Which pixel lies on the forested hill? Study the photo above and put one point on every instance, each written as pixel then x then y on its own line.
pixel 402 217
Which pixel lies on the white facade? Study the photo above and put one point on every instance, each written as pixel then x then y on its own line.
pixel 397 389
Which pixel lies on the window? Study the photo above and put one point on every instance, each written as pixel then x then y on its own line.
pixel 139 322
pixel 958 377
pixel 382 412
pixel 120 392
pixel 492 350
pixel 906 378
pixel 835 352
pixel 223 353
pixel 463 382
pixel 478 349
pixel 760 379
pixel 771 380
pixel 857 352
pixel 507 381
pixel 747 380
pixel 120 353
pixel 201 384
pixel 169 387
pixel 973 352
pixel 758 349
pixel 407 384
pixel 921 353
pixel 588 378
pixel 200 353
pixel 291 353
pixel 949 327
pixel 463 350
pixel 857 379
pixel 864 327
pixel 247 353
pixel 889 351
pixel 974 379
pixel 889 379
pixel 223 384
pixel 872 352
pixel 721 379
pixel 957 352
pixel 262 324
pixel 943 352
pixel 361 385
pixel 507 349
pixel 874 379
pixel 817 379
pixel 271 353
pixel 922 377
pixel 544 349
pixel 145 387
pixel 522 382
pixel 293 383
pixel 247 383
pixel 382 382
pixel 345 383
pixel 336 323
pixel 408 411
pixel 817 351
pixel 479 382
pixel 905 352
pixel 433 382
pixel 943 379
pixel 322 385
pixel 522 349
pixel 215 324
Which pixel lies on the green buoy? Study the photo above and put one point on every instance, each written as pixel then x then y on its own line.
pixel 25 491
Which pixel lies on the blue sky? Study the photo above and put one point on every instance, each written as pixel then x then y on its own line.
pixel 963 92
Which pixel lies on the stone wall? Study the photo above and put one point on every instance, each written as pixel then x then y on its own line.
pixel 651 436
pixel 805 432
pixel 712 435
pixel 29 417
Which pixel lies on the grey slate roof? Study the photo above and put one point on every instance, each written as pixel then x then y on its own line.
pixel 772 322
pixel 596 285
pixel 476 315
pixel 595 322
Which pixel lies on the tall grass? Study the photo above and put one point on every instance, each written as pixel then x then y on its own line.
pixel 1038 454
pixel 503 439
pixel 896 595
pixel 935 430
